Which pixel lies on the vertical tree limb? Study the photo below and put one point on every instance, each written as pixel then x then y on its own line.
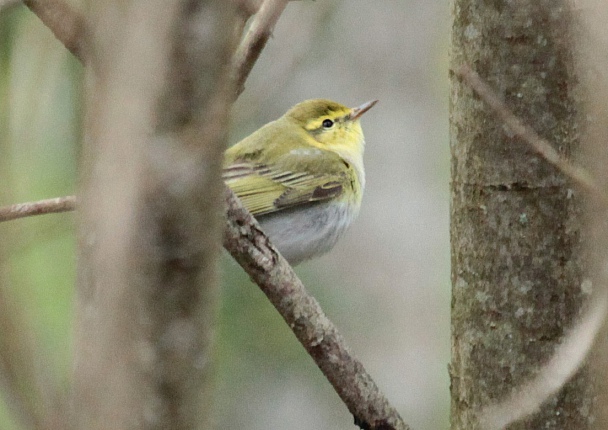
pixel 150 228
pixel 298 308
pixel 516 126
pixel 517 262
pixel 575 347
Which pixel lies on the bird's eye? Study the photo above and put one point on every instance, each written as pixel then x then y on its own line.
pixel 328 123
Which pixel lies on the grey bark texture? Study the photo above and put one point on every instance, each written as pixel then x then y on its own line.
pixel 515 220
pixel 151 225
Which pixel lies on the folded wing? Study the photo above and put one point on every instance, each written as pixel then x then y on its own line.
pixel 265 190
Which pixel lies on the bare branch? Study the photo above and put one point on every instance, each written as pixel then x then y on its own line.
pixel 40 207
pixel 516 125
pixel 275 277
pixel 252 249
pixel 254 41
pixel 68 26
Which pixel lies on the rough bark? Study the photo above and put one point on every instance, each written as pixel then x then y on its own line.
pixel 515 219
pixel 150 226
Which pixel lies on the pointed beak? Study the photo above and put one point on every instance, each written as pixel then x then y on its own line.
pixel 356 113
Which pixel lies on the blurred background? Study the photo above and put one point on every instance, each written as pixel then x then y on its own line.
pixel 385 285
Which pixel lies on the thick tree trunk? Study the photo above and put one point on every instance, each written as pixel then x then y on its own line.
pixel 151 213
pixel 515 219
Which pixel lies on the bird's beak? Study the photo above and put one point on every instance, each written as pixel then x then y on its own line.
pixel 355 113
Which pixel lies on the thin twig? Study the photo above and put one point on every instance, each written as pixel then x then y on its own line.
pixel 252 250
pixel 517 127
pixel 40 207
pixel 254 41
pixel 67 25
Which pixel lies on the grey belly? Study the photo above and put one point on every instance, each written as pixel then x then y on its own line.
pixel 305 232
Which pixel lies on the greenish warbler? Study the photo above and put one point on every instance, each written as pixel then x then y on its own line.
pixel 302 176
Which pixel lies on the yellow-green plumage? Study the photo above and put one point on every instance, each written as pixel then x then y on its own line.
pixel 302 179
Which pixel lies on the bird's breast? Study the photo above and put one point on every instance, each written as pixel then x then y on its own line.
pixel 305 232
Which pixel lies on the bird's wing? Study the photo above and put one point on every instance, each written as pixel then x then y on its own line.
pixel 264 190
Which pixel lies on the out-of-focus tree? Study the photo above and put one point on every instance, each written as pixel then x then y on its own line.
pixel 161 78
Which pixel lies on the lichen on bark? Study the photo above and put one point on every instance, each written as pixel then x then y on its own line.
pixel 515 220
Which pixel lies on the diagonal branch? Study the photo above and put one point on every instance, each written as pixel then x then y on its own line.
pixel 251 248
pixel 255 40
pixel 253 251
pixel 258 257
pixel 67 25
pixel 525 132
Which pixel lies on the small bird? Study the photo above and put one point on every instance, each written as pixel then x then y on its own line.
pixel 302 176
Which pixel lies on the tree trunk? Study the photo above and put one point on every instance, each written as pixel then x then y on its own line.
pixel 151 212
pixel 515 219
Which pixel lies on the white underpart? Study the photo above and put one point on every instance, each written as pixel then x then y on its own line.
pixel 302 233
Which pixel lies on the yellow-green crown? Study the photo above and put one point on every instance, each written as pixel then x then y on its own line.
pixel 316 108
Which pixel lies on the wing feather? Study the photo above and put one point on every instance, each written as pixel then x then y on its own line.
pixel 263 190
pixel 273 169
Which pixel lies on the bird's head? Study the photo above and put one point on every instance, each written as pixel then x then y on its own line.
pixel 332 125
